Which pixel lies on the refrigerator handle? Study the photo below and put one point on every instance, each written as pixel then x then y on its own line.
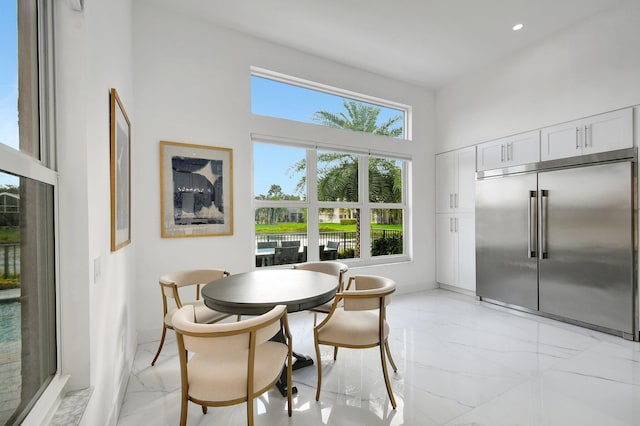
pixel 544 199
pixel 532 224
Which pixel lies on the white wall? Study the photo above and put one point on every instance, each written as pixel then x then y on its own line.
pixel 192 85
pixel 98 340
pixel 587 69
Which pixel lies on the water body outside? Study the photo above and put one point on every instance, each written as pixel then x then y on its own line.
pixel 10 357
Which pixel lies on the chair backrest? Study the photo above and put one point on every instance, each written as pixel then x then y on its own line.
pixel 295 243
pixel 171 282
pixel 285 255
pixel 333 245
pixel 368 292
pixel 267 244
pixel 336 269
pixel 223 338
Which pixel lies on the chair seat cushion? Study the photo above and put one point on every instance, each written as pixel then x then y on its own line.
pixel 203 314
pixel 352 328
pixel 223 377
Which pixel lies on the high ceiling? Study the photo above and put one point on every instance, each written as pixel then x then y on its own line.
pixel 425 42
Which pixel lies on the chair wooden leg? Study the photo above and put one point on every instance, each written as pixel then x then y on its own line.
pixel 204 409
pixel 183 411
pixel 386 376
pixel 164 333
pixel 319 364
pixel 335 353
pixel 249 411
pixel 289 384
pixel 393 364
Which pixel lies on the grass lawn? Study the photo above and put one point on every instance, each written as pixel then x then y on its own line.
pixel 9 235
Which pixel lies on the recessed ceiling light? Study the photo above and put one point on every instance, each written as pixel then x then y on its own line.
pixel 517 27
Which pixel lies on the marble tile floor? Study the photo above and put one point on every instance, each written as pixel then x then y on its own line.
pixel 460 362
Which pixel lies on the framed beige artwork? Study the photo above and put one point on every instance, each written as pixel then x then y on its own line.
pixel 196 190
pixel 120 159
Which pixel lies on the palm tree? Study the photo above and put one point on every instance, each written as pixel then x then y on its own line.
pixel 338 172
pixel 360 117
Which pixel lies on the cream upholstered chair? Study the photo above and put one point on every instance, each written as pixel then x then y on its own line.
pixel 337 269
pixel 232 362
pixel 360 323
pixel 170 285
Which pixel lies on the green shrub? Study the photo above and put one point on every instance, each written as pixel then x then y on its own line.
pixel 348 221
pixel 386 246
pixel 10 282
pixel 347 253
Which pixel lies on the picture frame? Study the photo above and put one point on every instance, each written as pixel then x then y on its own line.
pixel 196 190
pixel 120 170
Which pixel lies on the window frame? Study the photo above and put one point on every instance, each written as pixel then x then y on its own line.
pixel 406 110
pixel 313 205
pixel 38 162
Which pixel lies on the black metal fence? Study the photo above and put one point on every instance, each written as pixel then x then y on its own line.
pixel 346 240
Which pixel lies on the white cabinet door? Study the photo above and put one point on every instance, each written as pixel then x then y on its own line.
pixel 445 249
pixel 608 132
pixel 599 133
pixel 445 181
pixel 456 250
pixel 514 150
pixel 465 198
pixel 465 228
pixel 523 148
pixel 561 141
pixel 455 180
pixel 491 155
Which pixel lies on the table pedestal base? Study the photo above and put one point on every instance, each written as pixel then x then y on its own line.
pixel 300 361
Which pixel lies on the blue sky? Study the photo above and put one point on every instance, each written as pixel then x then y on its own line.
pixel 8 80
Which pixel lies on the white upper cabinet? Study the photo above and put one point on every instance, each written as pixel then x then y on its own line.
pixel 510 151
pixel 455 181
pixel 600 133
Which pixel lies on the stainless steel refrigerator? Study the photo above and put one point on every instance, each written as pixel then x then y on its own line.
pixel 558 238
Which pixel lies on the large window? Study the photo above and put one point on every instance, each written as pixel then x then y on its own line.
pixel 281 96
pixel 27 190
pixel 321 200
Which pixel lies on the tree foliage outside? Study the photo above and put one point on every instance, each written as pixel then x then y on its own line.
pixel 360 117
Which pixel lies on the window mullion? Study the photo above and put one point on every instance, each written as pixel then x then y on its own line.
pixel 365 216
pixel 313 227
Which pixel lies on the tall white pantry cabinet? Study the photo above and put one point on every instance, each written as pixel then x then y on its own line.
pixel 455 219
